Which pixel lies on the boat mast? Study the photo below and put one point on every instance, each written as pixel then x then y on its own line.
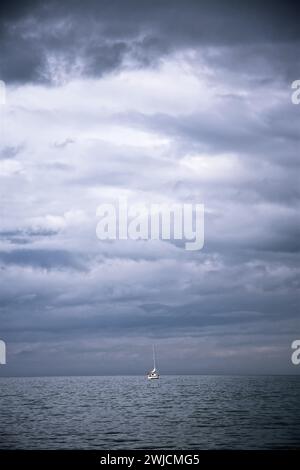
pixel 154 367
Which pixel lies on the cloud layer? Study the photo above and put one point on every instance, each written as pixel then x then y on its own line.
pixel 158 102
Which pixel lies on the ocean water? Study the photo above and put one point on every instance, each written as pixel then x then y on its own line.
pixel 176 412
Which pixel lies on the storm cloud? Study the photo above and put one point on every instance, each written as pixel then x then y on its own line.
pixel 157 102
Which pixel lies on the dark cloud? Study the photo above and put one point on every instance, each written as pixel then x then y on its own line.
pixel 9 152
pixel 200 113
pixel 41 41
pixel 44 259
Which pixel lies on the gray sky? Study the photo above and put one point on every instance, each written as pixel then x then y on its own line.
pixel 161 101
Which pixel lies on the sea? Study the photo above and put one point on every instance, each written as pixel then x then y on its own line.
pixel 130 412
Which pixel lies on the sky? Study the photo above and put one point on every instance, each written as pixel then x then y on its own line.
pixel 157 102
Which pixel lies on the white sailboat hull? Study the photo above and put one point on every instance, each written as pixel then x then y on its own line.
pixel 151 377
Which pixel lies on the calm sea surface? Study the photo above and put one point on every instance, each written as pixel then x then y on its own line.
pixel 186 412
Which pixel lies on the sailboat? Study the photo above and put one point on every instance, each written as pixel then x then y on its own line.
pixel 153 374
